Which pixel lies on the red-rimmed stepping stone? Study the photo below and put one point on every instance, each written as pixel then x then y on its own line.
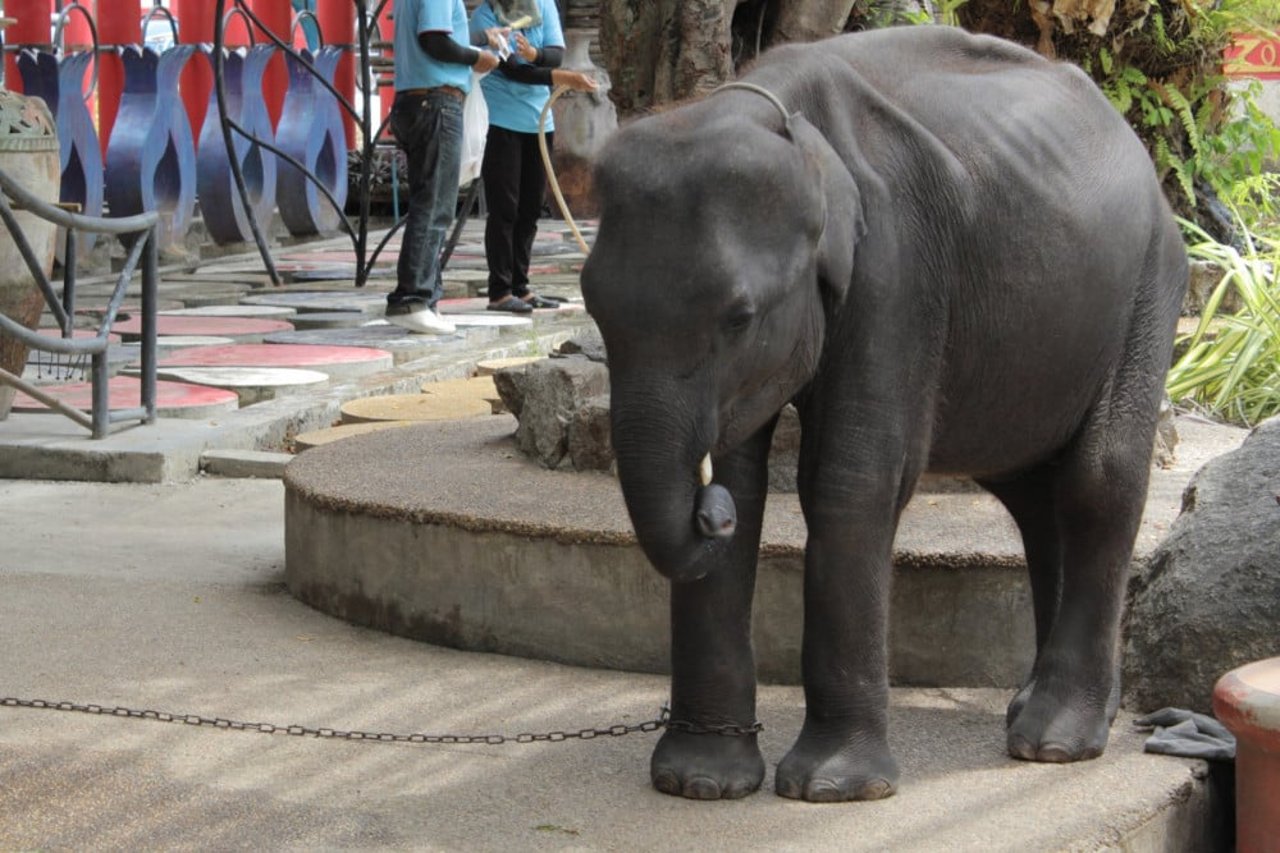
pixel 77 334
pixel 340 362
pixel 236 328
pixel 259 312
pixel 173 399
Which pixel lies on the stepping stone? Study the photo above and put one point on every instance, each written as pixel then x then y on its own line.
pixel 76 335
pixel 180 341
pixel 492 319
pixel 243 329
pixel 97 307
pixel 173 399
pixel 401 343
pixel 309 320
pixel 338 362
pixel 252 384
pixel 253 279
pixel 462 306
pixel 369 303
pixel 413 407
pixel 478 388
pixel 465 275
pixel 490 366
pixel 316 438
pixel 261 312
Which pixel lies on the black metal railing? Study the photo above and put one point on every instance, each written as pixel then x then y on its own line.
pixel 138 234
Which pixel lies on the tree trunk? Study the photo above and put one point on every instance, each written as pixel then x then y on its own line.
pixel 659 51
pixel 810 21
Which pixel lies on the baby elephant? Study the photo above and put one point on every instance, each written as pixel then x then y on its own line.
pixel 951 255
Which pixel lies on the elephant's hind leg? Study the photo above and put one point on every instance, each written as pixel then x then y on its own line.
pixel 1097 497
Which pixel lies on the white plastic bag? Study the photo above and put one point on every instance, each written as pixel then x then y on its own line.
pixel 475 129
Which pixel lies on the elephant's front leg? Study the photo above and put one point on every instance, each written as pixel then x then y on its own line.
pixel 713 680
pixel 843 751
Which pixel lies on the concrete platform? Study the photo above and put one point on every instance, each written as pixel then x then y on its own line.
pixel 403 345
pixel 377 527
pixel 339 362
pixel 192 616
pixel 173 399
pixel 239 329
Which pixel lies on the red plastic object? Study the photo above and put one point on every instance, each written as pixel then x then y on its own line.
pixel 32 27
pixel 1247 701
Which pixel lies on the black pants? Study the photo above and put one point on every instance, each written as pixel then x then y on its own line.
pixel 514 185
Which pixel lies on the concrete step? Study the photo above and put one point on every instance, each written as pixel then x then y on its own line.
pixel 553 570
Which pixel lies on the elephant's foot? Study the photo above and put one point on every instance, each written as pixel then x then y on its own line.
pixel 1059 725
pixel 835 770
pixel 706 766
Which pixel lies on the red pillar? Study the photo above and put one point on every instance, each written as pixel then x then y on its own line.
pixel 119 23
pixel 277 16
pixel 76 36
pixel 32 27
pixel 195 26
pixel 337 26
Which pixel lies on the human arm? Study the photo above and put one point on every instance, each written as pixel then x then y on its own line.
pixel 441 47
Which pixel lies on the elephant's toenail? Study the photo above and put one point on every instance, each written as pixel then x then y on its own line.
pixel 667 782
pixel 875 790
pixel 701 788
pixel 1020 747
pixel 823 791
pixel 1054 753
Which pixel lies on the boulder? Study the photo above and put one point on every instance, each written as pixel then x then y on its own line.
pixel 1208 599
pixel 544 396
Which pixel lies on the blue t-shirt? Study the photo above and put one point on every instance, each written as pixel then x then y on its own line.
pixel 517 106
pixel 414 68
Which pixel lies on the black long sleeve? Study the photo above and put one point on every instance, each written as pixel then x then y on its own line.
pixel 442 48
pixel 536 74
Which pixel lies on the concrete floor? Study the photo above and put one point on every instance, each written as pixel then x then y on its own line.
pixel 170 597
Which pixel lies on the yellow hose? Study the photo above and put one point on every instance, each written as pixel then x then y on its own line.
pixel 551 173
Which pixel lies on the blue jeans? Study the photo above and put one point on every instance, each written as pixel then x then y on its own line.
pixel 429 129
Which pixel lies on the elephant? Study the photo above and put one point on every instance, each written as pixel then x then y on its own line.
pixel 951 255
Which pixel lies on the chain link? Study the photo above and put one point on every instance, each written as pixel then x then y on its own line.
pixel 617 730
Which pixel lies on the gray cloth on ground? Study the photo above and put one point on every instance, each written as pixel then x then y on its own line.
pixel 1188 735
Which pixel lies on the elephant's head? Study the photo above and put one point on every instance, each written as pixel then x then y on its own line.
pixel 723 246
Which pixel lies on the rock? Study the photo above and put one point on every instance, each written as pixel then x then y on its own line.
pixel 1166 436
pixel 545 397
pixel 589 446
pixel 588 344
pixel 1208 599
pixel 1205 276
pixel 784 453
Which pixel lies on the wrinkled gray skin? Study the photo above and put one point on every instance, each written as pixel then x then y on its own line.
pixel 960 262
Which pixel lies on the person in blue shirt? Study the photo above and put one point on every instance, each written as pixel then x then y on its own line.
pixel 512 170
pixel 433 64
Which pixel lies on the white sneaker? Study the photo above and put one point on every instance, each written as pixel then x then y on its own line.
pixel 424 321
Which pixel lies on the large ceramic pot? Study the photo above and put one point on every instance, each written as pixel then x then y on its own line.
pixel 1247 701
pixel 29 155
pixel 583 123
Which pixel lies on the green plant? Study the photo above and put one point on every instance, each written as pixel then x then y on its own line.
pixel 1234 373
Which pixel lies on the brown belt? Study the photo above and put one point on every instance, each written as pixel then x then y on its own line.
pixel 451 91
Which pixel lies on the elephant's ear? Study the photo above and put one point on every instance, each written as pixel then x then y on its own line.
pixel 835 190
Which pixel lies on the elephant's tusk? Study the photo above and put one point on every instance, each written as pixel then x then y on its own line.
pixel 704 470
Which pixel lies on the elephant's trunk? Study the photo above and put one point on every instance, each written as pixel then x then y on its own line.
pixel 681 518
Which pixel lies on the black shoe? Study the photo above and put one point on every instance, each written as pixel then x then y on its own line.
pixel 533 300
pixel 512 305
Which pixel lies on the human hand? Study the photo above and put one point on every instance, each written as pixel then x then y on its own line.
pixel 497 37
pixel 575 80
pixel 524 50
pixel 486 63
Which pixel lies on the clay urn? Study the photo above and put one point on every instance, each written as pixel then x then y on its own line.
pixel 29 155
pixel 1247 701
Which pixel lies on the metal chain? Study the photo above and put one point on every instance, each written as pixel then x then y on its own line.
pixel 617 730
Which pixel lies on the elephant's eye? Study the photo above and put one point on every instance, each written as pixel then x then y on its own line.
pixel 738 318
